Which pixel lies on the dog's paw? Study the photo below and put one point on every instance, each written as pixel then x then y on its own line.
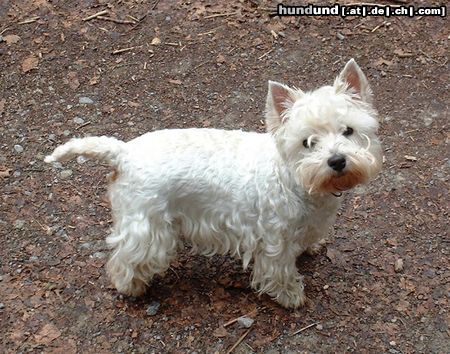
pixel 136 288
pixel 291 300
pixel 316 248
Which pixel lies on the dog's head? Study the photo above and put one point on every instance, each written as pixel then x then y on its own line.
pixel 327 136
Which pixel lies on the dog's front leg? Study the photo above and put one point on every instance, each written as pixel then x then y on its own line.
pixel 276 275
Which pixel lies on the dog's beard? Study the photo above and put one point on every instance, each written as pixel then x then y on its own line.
pixel 318 177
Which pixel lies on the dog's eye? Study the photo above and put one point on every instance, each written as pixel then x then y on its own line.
pixel 305 144
pixel 348 131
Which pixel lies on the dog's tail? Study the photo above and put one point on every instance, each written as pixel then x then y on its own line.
pixel 102 148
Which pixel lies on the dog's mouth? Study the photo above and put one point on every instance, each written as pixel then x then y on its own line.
pixel 342 181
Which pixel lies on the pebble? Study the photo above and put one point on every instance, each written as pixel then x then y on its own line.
pixel 85 100
pixel 319 327
pixel 2 305
pixel 245 322
pixel 99 255
pixel 340 36
pixel 19 224
pixel 66 132
pixel 52 137
pixel 18 148
pixel 65 174
pixel 81 159
pixel 398 265
pixel 78 120
pixel 153 308
pixel 1 277
pixel 428 121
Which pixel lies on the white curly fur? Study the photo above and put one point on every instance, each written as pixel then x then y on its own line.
pixel 260 197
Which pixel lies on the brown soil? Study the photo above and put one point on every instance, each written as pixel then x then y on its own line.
pixel 212 71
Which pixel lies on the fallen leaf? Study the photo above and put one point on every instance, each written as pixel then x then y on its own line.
pixel 220 332
pixel 94 80
pixel 73 80
pixel 5 173
pixel 402 54
pixel 11 39
pixel 176 82
pixel 220 59
pixel 156 41
pixel 47 334
pixel 383 61
pixel 30 63
pixel 410 158
pixel 398 265
pixel 133 104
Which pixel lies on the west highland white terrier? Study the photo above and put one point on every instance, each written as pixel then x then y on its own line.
pixel 264 198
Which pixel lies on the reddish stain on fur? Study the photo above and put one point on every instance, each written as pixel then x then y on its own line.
pixel 113 176
pixel 343 182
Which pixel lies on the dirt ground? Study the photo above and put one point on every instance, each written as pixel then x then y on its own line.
pixel 201 63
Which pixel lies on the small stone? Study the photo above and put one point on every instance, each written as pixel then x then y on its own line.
pixel 153 308
pixel 52 137
pixel 66 132
pixel 325 287
pixel 398 265
pixel 99 255
pixel 340 36
pixel 245 322
pixel 2 305
pixel 1 277
pixel 81 159
pixel 319 327
pixel 392 343
pixel 428 121
pixel 18 148
pixel 85 100
pixel 78 120
pixel 65 174
pixel 19 224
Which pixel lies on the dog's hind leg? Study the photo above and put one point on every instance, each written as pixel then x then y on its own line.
pixel 142 247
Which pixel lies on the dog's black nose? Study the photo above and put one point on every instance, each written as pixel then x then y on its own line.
pixel 337 162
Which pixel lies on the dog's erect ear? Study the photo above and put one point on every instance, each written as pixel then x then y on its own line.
pixel 355 80
pixel 279 100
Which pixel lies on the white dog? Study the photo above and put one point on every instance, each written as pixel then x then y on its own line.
pixel 264 198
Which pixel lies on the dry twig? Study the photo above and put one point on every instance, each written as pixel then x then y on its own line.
pixel 306 327
pixel 221 15
pixel 103 12
pixel 118 51
pixel 30 20
pixel 83 125
pixel 239 341
pixel 254 312
pixel 265 54
pixel 116 20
